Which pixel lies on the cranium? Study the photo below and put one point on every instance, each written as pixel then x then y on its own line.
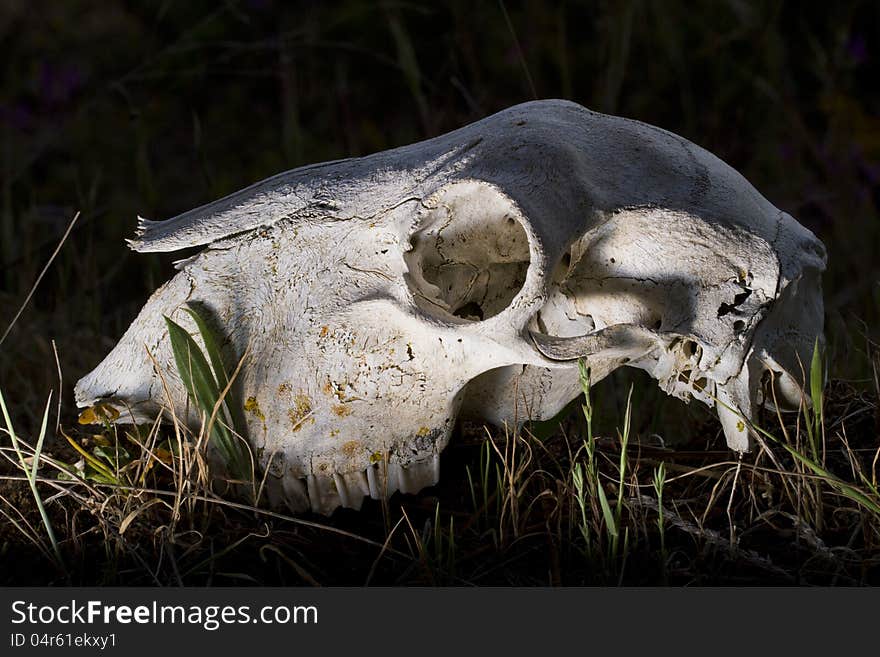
pixel 383 297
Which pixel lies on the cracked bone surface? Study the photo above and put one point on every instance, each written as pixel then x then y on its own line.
pixel 381 298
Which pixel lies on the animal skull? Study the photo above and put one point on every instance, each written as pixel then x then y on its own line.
pixel 380 298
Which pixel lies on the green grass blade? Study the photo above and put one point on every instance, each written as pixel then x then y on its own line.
pixel 816 391
pixel 211 347
pixel 659 482
pixel 233 406
pixel 39 448
pixel 31 473
pixel 193 367
pixel 816 379
pixel 103 470
pixel 842 487
pixel 624 442
pixel 606 511
pixel 203 389
pixel 584 375
pixel 577 477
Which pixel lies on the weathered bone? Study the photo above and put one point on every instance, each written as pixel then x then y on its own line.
pixel 626 341
pixel 383 297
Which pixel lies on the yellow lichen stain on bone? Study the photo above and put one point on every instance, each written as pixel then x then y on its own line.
pixel 341 410
pixel 423 431
pixel 300 412
pixel 325 331
pixel 351 448
pixel 284 389
pixel 376 457
pixel 97 414
pixel 253 407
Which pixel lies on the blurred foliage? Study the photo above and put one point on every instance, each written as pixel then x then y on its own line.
pixel 152 108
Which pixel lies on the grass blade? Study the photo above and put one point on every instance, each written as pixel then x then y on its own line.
pixel 232 405
pixel 203 389
pixel 816 393
pixel 31 473
pixel 606 512
pixel 106 474
pixel 211 347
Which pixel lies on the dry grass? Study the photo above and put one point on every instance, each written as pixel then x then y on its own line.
pixel 569 507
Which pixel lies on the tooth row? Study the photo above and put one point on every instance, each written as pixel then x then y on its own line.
pixel 323 494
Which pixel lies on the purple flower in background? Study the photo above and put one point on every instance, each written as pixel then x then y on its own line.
pixel 18 116
pixel 857 48
pixel 787 151
pixel 872 172
pixel 59 83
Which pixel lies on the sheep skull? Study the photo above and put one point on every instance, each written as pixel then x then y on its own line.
pixel 381 298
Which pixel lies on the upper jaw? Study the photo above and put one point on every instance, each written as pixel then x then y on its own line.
pixel 764 372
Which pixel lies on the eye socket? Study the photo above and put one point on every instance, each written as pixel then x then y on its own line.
pixel 471 255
